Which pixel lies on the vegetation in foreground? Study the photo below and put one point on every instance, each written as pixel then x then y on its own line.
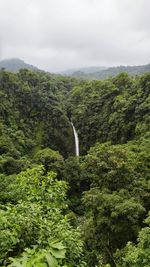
pixel 59 210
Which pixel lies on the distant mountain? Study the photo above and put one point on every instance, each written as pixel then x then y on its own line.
pixel 15 64
pixel 113 71
pixel 85 70
pixel 88 73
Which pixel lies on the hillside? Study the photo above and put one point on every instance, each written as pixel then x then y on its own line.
pixel 85 70
pixel 15 64
pixel 32 113
pixel 115 110
pixel 113 71
pixel 58 209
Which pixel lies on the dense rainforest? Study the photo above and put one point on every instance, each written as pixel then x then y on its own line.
pixel 57 209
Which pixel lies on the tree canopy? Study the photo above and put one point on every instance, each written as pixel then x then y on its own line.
pixel 59 210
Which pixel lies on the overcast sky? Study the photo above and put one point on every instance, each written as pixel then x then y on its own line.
pixel 61 34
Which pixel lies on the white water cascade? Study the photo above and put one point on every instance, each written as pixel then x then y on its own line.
pixel 76 139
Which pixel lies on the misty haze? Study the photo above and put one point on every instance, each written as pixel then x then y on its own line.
pixel 75 133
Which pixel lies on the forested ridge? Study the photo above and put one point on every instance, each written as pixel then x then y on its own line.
pixel 105 72
pixel 60 210
pixel 15 64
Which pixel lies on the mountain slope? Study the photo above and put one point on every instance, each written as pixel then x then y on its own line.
pixel 15 64
pixel 113 71
pixel 32 118
pixel 115 110
pixel 85 70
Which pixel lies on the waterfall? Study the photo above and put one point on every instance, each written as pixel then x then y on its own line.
pixel 76 139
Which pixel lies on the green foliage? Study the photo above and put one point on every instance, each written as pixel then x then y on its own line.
pixel 115 110
pixel 37 219
pixel 42 258
pixel 115 167
pixel 51 159
pixel 136 255
pixel 117 200
pixel 100 198
pixel 112 220
pixel 111 166
pixel 76 176
pixel 32 114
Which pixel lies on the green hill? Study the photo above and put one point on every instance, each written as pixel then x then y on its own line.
pixel 57 209
pixel 113 71
pixel 15 64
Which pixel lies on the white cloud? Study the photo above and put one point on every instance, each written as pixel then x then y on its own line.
pixel 60 34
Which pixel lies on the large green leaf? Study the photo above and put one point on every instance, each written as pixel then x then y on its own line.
pixel 58 254
pixel 51 260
